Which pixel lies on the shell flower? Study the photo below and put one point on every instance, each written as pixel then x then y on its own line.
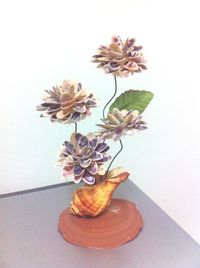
pixel 83 157
pixel 119 123
pixel 67 103
pixel 120 58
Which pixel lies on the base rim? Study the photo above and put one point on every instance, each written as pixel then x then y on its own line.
pixel 119 223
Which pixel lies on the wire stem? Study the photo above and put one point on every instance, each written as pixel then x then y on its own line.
pixel 121 145
pixel 121 148
pixel 115 92
pixel 75 130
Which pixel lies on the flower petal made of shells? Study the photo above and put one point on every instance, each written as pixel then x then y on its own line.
pixel 91 103
pixel 102 147
pixel 93 168
pixel 117 134
pixel 113 54
pixel 53 95
pixel 60 114
pixel 118 114
pixel 88 178
pixel 69 159
pixel 45 104
pixel 67 171
pixel 77 179
pixel 140 126
pixel 76 117
pixel 74 139
pixel 83 141
pixel 105 158
pixel 135 114
pixel 42 107
pixel 66 112
pixel 84 152
pixel 108 134
pixel 67 119
pixel 80 95
pixel 113 66
pixel 115 47
pixel 124 73
pixel 85 163
pixel 67 105
pixel 129 118
pixel 129 44
pixel 78 170
pixel 106 126
pixel 102 170
pixel 80 109
pixel 66 99
pixel 131 66
pixel 66 85
pixel 69 147
pixel 93 143
pixel 79 86
pixel 52 106
pixel 113 119
pixel 96 156
pixel 117 39
pixel 91 135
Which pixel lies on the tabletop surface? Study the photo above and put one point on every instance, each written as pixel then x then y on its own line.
pixel 29 236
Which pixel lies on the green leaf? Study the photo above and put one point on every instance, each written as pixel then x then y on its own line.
pixel 132 100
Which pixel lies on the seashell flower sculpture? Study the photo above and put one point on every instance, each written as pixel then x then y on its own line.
pixel 84 157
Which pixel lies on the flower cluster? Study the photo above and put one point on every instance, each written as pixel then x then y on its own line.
pixel 120 58
pixel 67 103
pixel 119 123
pixel 83 157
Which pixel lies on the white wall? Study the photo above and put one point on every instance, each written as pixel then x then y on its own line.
pixel 45 42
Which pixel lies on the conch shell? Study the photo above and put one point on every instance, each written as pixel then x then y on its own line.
pixel 93 200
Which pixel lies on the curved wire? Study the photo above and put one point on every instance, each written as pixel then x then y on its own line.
pixel 121 145
pixel 121 148
pixel 115 92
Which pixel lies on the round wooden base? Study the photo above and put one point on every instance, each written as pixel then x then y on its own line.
pixel 119 223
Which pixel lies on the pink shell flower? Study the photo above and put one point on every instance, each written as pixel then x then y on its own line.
pixel 120 58
pixel 67 103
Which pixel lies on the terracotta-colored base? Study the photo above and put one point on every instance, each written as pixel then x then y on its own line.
pixel 119 223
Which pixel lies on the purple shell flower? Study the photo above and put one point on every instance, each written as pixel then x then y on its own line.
pixel 83 157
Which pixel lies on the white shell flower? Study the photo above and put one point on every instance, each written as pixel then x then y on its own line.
pixel 68 103
pixel 119 123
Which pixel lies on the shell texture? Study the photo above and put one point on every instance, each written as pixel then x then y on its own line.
pixel 93 200
pixel 67 103
pixel 120 58
pixel 120 123
pixel 83 157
